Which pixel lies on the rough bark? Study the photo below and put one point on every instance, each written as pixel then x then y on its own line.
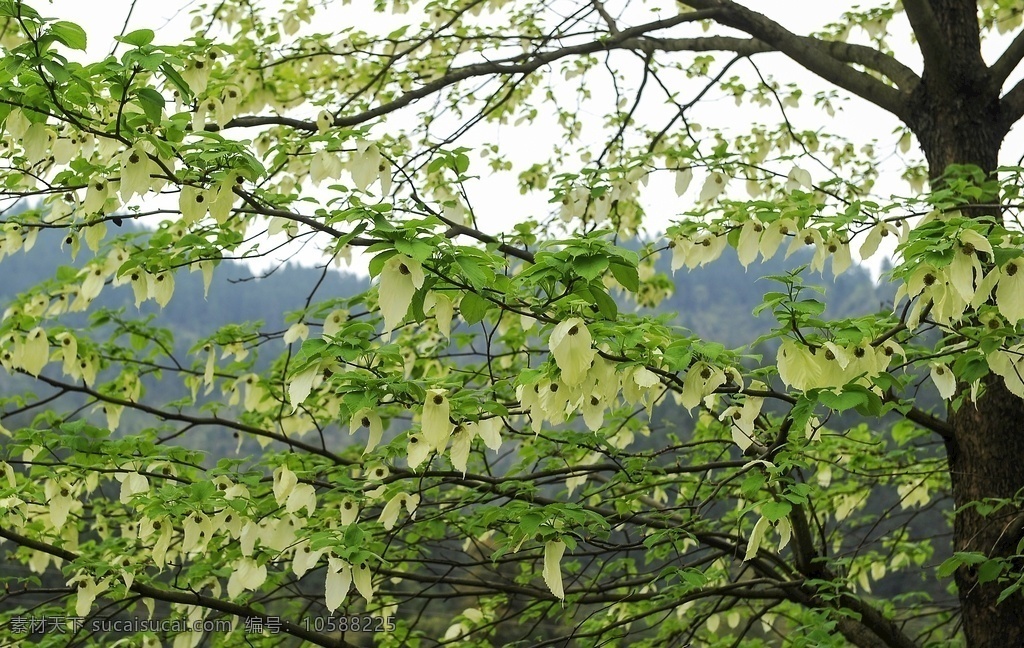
pixel 957 116
pixel 985 461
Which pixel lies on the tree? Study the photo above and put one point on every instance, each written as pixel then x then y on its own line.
pixel 523 472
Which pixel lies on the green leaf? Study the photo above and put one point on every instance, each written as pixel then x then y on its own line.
pixel 990 570
pixel 775 511
pixel 415 249
pixel 354 535
pixel 202 491
pixel 152 103
pixel 959 558
pixel 69 33
pixel 847 399
pixel 377 262
pixel 530 522
pixel 605 304
pixel 473 308
pixel 679 354
pixel 478 275
pixel 59 72
pixel 138 38
pixel 176 80
pixel 626 275
pixel 590 266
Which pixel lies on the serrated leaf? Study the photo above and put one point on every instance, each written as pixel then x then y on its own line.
pixel 69 33
pixel 775 511
pixel 605 304
pixel 590 266
pixel 152 103
pixel 176 80
pixel 842 401
pixel 479 275
pixel 626 275
pixel 473 308
pixel 138 38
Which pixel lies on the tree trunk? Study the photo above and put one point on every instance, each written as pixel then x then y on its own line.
pixel 956 117
pixel 985 461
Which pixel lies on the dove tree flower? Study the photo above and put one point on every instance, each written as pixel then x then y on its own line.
pixel 547 458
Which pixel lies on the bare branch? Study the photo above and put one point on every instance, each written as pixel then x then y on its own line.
pixel 1013 106
pixel 599 6
pixel 926 420
pixel 1007 62
pixel 904 77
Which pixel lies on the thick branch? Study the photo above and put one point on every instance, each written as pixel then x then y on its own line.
pixel 933 423
pixel 1013 105
pixel 811 53
pixel 827 58
pixel 871 629
pixel 932 42
pixel 1007 62
pixel 213 421
pixel 904 77
pixel 360 241
pixel 185 598
pixel 522 64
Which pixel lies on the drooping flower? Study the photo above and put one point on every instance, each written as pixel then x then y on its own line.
pixel 59 501
pixel 303 496
pixel 324 122
pixel 436 426
pixel 572 347
pixel 417 450
pixel 284 482
pixel 389 514
pixel 35 351
pixel 798 365
pixel 443 309
pixel 944 380
pixel 339 580
pixel 87 589
pixel 552 573
pixel 365 164
pixel 248 575
pixel 367 418
pixel 756 535
pixel 682 181
pixel 363 579
pixel 334 322
pixel 798 179
pixel 1010 290
pixel 305 558
pixel 701 380
pixel 749 242
pixel 489 430
pixel 400 278
pixel 713 186
pixel 349 511
pixel 136 168
pixel 161 287
pixel 462 443
pixel 1009 364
